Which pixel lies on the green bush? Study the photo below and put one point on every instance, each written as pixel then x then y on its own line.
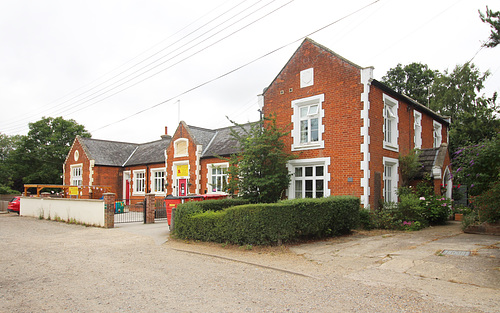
pixel 487 204
pixel 268 223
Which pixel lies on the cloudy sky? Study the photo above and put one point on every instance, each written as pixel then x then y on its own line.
pixel 126 69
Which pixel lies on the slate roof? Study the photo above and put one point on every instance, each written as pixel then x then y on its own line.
pixel 215 142
pixel 107 153
pixel 223 143
pixel 148 153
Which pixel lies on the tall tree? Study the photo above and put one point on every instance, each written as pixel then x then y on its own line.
pixel 41 154
pixel 474 117
pixel 259 170
pixel 492 18
pixel 412 80
pixel 7 145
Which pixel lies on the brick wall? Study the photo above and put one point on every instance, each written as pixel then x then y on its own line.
pixel 181 132
pixel 340 83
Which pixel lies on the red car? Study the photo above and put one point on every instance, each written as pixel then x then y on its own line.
pixel 14 205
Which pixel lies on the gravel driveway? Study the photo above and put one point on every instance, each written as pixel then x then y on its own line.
pixel 56 267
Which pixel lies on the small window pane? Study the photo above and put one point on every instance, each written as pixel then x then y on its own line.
pixel 303 111
pixel 309 188
pixel 319 170
pixel 309 171
pixel 314 129
pixel 319 188
pixel 298 172
pixel 313 109
pixel 298 189
pixel 303 131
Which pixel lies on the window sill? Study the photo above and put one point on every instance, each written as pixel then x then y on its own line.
pixel 319 145
pixel 391 147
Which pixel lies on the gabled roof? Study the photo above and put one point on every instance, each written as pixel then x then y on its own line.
pixel 309 40
pixel 430 158
pixel 107 153
pixel 149 153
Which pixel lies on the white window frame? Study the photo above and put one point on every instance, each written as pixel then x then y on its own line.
pixel 178 153
pixel 75 176
pixel 158 181
pixel 391 122
pixel 417 127
pixel 437 134
pixel 139 182
pixel 391 181
pixel 210 185
pixel 293 164
pixel 297 145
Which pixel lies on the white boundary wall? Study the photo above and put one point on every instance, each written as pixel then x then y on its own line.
pixel 83 211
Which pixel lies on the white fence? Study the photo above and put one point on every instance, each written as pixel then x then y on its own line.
pixel 82 211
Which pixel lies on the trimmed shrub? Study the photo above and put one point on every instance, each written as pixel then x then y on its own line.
pixel 268 223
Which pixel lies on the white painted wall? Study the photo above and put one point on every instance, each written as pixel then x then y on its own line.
pixel 88 212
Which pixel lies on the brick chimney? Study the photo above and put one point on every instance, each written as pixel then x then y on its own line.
pixel 166 136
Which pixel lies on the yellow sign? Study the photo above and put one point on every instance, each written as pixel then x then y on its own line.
pixel 73 191
pixel 182 170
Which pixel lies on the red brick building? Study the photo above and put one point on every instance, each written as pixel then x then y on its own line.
pixel 348 129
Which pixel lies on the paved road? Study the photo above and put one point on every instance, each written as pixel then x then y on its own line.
pixel 51 266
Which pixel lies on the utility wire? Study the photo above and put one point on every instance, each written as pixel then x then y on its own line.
pixel 236 69
pixel 178 54
pixel 136 64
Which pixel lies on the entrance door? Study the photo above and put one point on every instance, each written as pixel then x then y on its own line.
pixel 182 183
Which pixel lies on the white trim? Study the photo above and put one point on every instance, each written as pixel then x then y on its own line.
pixel 175 190
pixel 366 79
pixel 394 163
pixel 307 77
pixel 210 166
pixel 394 105
pixel 124 186
pixel 178 141
pixel 312 162
pixel 199 151
pixel 134 182
pixel 152 179
pixel 73 166
pixel 417 124
pixel 296 104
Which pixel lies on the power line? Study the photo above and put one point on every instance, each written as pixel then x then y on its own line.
pixel 178 62
pixel 149 57
pixel 235 69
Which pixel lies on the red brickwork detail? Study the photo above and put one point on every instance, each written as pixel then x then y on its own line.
pixel 150 208
pixel 109 210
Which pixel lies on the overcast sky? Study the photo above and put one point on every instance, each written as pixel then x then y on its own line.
pixel 103 62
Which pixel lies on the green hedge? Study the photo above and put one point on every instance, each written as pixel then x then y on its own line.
pixel 267 223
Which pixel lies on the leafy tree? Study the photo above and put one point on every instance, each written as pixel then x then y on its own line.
pixel 478 166
pixel 412 80
pixel 259 170
pixel 7 145
pixel 492 18
pixel 456 94
pixel 40 155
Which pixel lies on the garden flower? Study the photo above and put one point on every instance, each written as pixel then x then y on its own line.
pixel 422 198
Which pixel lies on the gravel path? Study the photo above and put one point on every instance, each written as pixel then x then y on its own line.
pixel 56 267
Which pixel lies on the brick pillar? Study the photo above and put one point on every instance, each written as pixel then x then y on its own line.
pixel 109 210
pixel 150 208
